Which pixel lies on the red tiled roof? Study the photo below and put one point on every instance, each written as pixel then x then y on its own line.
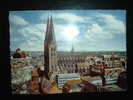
pixel 103 67
pixel 89 88
pixel 34 85
pixel 34 72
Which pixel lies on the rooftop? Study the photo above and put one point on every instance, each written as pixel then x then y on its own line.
pixel 113 88
pixel 69 75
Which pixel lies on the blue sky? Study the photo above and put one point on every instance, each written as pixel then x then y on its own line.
pixel 87 30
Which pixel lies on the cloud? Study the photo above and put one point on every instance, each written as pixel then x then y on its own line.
pixel 32 30
pixel 31 46
pixel 111 27
pixel 69 17
pixel 17 20
pixel 88 45
pixel 64 18
pixel 112 23
pixel 59 32
pixel 99 36
pixel 25 35
pixel 94 34
pixel 35 35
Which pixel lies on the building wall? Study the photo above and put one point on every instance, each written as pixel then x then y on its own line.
pixel 63 78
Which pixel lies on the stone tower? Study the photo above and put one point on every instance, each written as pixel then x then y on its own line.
pixel 50 55
pixel 72 50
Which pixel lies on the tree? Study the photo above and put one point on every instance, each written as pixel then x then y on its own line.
pixel 23 54
pixel 17 54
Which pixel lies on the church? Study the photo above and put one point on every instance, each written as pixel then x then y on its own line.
pixel 61 62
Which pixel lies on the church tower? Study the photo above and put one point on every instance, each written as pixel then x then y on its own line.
pixel 50 56
pixel 72 50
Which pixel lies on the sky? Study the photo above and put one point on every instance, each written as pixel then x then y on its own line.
pixel 86 30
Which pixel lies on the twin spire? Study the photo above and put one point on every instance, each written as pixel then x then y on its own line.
pixel 50 35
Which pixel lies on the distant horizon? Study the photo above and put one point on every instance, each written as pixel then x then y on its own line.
pixel 76 51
